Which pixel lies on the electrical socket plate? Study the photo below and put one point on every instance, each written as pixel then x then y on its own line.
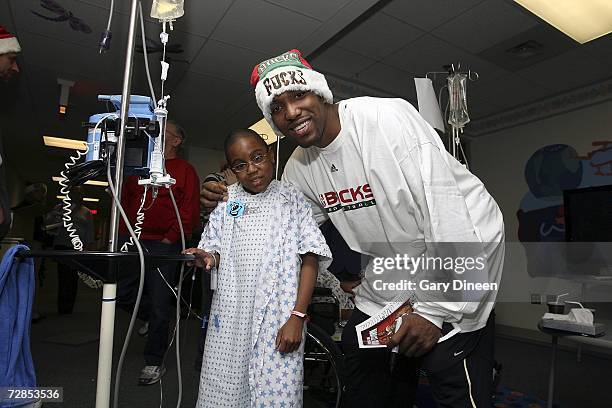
pixel 551 298
pixel 536 299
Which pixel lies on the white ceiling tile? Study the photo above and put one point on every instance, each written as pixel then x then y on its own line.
pixel 189 44
pixel 121 7
pixel 428 54
pixel 427 14
pixel 205 97
pixel 573 69
pixel 202 104
pixel 389 79
pixel 227 61
pixel 248 114
pixel 87 15
pixel 488 23
pixel 210 131
pixel 319 9
pixel 338 61
pixel 378 36
pixel 97 20
pixel 528 48
pixel 244 26
pixel 200 17
pixel 508 91
pixel 238 103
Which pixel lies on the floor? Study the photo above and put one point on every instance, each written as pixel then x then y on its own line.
pixel 65 350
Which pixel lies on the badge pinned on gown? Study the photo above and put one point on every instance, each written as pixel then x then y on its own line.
pixel 235 208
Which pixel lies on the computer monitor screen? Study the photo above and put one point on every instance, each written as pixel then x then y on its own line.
pixel 588 214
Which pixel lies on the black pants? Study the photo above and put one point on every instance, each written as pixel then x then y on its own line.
pixel 460 371
pixel 67 284
pixel 158 301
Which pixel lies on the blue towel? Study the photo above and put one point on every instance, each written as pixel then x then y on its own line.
pixel 16 297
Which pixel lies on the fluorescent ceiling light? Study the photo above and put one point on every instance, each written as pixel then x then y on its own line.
pixel 92 200
pixel 583 20
pixel 65 143
pixel 263 128
pixel 88 182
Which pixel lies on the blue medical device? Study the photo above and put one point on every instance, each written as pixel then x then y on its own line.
pixel 141 131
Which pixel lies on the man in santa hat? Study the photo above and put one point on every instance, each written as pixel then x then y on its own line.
pixel 9 48
pixel 381 175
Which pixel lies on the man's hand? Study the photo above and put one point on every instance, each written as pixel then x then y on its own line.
pixel 289 336
pixel 203 259
pixel 211 193
pixel 166 241
pixel 416 336
pixel 348 286
pixel 229 176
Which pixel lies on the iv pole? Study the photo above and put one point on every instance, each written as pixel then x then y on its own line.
pixel 109 290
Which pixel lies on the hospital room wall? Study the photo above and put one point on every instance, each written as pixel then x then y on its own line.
pixel 204 160
pixel 499 159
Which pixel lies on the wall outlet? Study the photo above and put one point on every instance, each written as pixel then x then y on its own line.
pixel 551 298
pixel 536 299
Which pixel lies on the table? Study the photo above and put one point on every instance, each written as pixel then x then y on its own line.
pixel 604 341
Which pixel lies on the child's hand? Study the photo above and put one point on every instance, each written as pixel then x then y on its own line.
pixel 289 336
pixel 203 259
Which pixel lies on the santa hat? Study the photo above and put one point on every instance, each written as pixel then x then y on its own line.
pixel 286 72
pixel 8 42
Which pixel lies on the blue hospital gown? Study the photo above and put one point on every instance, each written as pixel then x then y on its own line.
pixel 257 285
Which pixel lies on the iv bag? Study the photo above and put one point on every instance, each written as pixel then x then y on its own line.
pixel 458 112
pixel 167 10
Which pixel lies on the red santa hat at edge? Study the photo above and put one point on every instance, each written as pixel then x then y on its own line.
pixel 8 42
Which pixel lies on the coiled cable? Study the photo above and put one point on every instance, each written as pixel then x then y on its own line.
pixel 138 224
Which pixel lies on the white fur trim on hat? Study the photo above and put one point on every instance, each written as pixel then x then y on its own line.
pixel 289 78
pixel 9 44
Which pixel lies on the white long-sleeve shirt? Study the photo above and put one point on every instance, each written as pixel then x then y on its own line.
pixel 389 187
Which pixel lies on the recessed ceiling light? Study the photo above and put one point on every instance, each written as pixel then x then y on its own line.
pixel 582 20
pixel 64 143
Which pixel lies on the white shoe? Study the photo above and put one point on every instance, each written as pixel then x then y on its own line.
pixel 151 374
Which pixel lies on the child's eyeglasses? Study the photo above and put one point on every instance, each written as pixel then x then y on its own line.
pixel 258 160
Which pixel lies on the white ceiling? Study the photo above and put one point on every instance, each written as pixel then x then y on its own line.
pixel 376 46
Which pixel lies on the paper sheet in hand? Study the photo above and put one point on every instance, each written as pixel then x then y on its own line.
pixel 376 331
pixel 428 103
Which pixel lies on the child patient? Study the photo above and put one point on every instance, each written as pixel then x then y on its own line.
pixel 265 245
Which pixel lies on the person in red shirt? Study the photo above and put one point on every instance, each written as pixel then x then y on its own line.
pixel 160 235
